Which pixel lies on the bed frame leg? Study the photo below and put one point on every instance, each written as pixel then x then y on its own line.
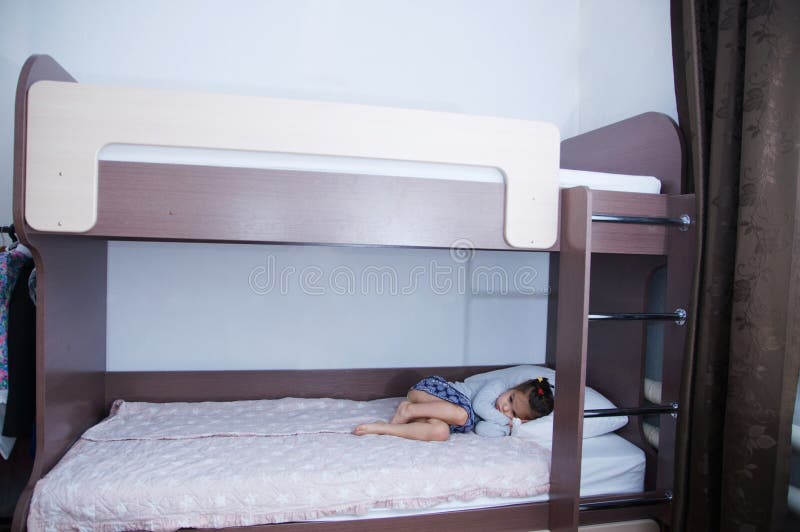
pixel 571 346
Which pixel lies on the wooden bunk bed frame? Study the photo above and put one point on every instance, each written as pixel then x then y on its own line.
pixel 595 267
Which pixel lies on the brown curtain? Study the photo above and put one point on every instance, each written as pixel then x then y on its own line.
pixel 737 76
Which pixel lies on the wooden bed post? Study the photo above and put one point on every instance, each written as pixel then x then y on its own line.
pixel 70 314
pixel 552 311
pixel 681 249
pixel 571 344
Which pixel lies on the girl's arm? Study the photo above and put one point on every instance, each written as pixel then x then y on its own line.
pixel 493 422
pixel 491 430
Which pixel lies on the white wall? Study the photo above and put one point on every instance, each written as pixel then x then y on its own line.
pixel 14 48
pixel 517 58
pixel 312 306
pixel 625 61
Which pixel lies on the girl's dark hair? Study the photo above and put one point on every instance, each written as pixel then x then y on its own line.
pixel 540 395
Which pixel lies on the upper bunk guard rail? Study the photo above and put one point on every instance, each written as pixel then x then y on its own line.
pixel 66 189
pixel 69 123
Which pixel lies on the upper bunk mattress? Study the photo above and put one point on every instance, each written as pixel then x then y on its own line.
pixel 176 465
pixel 606 181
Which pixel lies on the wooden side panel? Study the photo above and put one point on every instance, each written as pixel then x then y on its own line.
pixel 70 348
pixel 647 144
pixel 616 361
pixel 571 346
pixel 629 239
pixel 626 238
pixel 149 201
pixel 162 201
pixel 70 313
pixel 515 518
pixel 356 384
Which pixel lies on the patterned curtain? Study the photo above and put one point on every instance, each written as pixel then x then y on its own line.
pixel 737 77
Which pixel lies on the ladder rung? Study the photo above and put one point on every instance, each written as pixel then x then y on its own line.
pixel 679 316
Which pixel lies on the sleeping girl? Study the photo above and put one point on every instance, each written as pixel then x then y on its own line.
pixel 490 403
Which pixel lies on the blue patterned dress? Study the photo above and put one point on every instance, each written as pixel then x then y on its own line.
pixel 11 262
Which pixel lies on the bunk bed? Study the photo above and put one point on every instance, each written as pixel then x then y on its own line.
pixel 603 245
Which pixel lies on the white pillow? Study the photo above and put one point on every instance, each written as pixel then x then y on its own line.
pixel 541 430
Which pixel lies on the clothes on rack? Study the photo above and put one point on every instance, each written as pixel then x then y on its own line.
pixel 11 263
pixel 16 345
pixel 8 230
pixel 32 286
pixel 20 408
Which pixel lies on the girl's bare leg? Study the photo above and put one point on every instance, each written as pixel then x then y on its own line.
pixel 424 430
pixel 422 405
pixel 418 396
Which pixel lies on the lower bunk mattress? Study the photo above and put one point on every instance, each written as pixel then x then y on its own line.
pixel 200 465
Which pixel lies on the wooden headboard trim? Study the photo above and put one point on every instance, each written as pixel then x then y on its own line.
pixel 646 144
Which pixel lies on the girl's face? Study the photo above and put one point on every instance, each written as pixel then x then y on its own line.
pixel 514 403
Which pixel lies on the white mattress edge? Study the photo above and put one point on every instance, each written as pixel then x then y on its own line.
pixel 599 454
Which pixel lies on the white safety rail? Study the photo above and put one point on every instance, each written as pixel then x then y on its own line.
pixel 70 123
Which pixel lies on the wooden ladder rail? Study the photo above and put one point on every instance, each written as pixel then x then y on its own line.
pixel 572 328
pixel 571 335
pixel 681 251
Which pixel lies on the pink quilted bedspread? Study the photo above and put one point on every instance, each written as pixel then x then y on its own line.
pixel 164 467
